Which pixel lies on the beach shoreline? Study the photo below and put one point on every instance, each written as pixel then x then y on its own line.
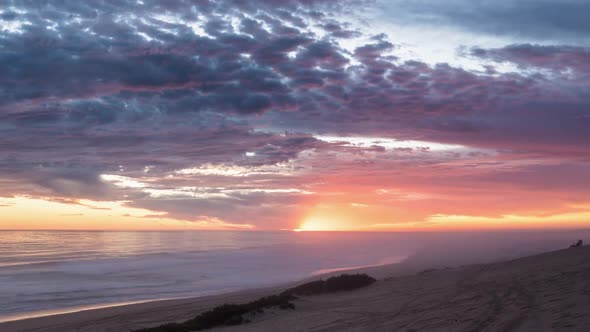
pixel 71 310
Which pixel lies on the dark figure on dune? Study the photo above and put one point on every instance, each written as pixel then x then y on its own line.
pixel 577 244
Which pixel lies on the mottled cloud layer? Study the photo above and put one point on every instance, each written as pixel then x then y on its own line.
pixel 538 20
pixel 268 112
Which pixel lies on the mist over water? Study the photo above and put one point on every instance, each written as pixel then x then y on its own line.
pixel 49 271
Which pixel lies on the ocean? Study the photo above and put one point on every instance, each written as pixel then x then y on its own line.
pixel 45 272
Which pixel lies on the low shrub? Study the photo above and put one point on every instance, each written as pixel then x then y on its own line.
pixel 333 284
pixel 226 314
pixel 310 288
pixel 233 314
pixel 348 282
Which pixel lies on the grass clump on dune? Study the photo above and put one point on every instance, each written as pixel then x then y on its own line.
pixel 233 314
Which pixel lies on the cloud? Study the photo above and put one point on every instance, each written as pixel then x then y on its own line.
pixel 564 60
pixel 246 111
pixel 543 20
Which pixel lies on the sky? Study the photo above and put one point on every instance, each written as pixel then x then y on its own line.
pixel 375 115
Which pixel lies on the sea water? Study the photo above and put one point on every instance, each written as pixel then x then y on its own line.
pixel 44 272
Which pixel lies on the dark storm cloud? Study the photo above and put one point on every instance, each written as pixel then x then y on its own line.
pixel 450 104
pixel 96 52
pixel 551 20
pixel 108 72
pixel 339 30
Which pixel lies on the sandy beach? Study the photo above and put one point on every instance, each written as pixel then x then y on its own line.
pixel 546 292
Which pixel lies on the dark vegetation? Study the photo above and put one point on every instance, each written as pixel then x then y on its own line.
pixel 330 285
pixel 226 314
pixel 427 271
pixel 233 314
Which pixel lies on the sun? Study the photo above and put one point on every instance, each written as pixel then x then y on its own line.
pixel 315 225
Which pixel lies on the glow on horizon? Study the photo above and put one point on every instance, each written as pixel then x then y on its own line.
pixel 37 213
pixel 28 213
pixel 338 217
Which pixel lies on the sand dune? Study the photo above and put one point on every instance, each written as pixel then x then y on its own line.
pixel 546 292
